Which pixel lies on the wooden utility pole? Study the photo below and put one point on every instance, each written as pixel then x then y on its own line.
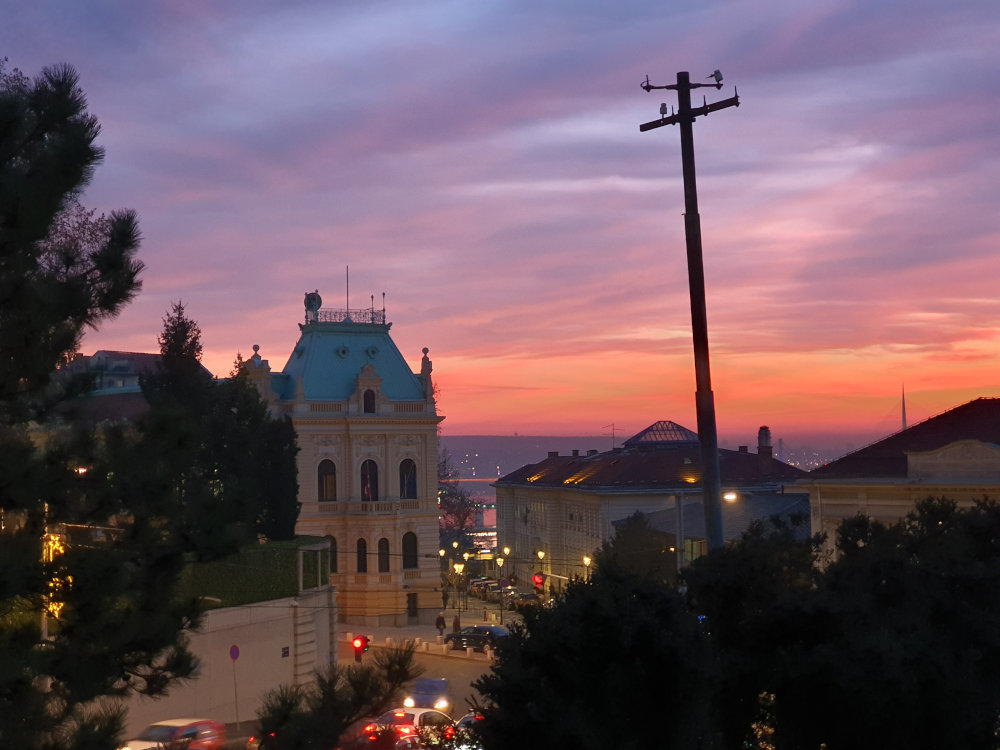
pixel 704 399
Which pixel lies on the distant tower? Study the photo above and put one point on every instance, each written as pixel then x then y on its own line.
pixel 904 406
pixel 765 452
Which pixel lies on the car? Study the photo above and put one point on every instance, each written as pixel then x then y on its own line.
pixel 470 720
pixel 191 734
pixel 411 723
pixel 477 637
pixel 524 600
pixel 429 692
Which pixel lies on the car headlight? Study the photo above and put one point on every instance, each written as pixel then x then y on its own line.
pixel 409 702
pixel 441 704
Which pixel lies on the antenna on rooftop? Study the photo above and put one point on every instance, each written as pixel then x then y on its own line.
pixel 347 274
pixel 904 406
pixel 612 426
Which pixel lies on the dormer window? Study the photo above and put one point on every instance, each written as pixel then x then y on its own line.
pixel 369 401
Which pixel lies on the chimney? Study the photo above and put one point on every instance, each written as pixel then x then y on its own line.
pixel 744 449
pixel 576 453
pixel 592 452
pixel 553 454
pixel 765 454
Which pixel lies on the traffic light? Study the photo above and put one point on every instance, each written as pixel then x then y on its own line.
pixel 539 580
pixel 360 644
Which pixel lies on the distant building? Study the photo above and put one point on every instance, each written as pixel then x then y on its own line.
pixel 566 506
pixel 955 455
pixel 367 432
pixel 117 394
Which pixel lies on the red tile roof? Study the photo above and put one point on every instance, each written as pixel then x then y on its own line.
pixel 974 420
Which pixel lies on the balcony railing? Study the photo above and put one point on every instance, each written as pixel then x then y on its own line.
pixel 369 316
pixel 380 508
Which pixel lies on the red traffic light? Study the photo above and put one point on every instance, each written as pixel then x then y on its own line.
pixel 538 579
pixel 360 644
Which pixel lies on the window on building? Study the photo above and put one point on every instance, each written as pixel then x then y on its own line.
pixel 409 551
pixel 383 555
pixel 369 399
pixel 408 479
pixel 362 556
pixel 333 553
pixel 327 476
pixel 369 481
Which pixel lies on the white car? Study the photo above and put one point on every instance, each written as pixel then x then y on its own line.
pixel 193 734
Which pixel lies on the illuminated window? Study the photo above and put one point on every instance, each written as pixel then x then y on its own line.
pixel 327 476
pixel 369 398
pixel 408 479
pixel 369 481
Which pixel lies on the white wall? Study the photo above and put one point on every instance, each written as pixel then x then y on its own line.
pixel 280 642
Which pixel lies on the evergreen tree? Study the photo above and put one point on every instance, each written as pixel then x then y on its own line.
pixel 234 472
pixel 636 547
pixel 618 663
pixel 89 552
pixel 317 716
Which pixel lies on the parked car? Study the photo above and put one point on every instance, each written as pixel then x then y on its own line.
pixel 429 692
pixel 412 723
pixel 524 600
pixel 477 637
pixel 190 734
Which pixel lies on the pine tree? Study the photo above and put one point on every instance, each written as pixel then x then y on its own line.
pixel 89 550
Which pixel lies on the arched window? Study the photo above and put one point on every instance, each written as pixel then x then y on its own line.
pixel 409 550
pixel 327 476
pixel 369 401
pixel 333 553
pixel 369 481
pixel 362 556
pixel 408 479
pixel 383 555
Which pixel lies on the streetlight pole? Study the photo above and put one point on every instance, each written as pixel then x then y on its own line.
pixel 704 399
pixel 500 562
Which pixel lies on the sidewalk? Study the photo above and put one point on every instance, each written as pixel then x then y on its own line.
pixel 426 635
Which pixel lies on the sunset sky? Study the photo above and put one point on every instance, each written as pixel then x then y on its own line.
pixel 480 162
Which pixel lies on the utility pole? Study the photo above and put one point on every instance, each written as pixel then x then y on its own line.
pixel 705 401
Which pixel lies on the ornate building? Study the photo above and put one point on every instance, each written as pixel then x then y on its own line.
pixel 367 434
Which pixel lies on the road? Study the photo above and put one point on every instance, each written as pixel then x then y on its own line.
pixel 460 669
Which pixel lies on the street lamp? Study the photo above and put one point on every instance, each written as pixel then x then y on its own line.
pixel 460 589
pixel 500 562
pixel 541 554
pixel 586 565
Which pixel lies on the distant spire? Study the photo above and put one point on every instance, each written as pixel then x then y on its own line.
pixel 904 406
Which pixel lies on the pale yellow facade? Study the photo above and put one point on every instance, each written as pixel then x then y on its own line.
pixel 963 471
pixel 366 428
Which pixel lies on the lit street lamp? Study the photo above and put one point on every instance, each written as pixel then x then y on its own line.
pixel 500 562
pixel 586 565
